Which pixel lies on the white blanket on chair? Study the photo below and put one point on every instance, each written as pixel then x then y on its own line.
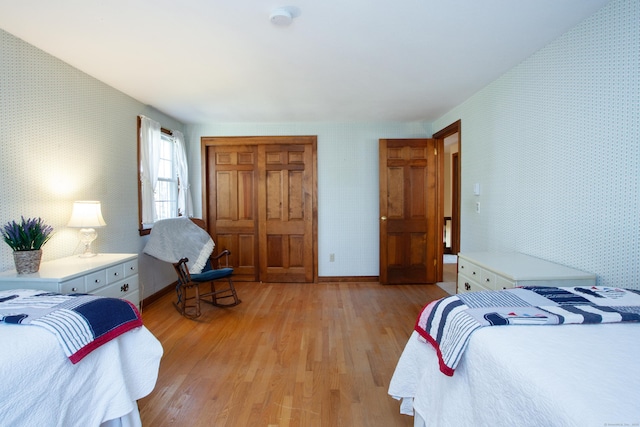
pixel 176 238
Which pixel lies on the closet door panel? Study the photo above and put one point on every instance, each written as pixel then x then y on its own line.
pixel 231 173
pixel 286 223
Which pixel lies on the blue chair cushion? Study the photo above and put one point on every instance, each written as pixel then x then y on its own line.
pixel 209 275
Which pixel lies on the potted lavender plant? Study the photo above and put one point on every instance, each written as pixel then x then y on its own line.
pixel 26 238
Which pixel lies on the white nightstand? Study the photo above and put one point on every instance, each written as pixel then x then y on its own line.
pixel 110 275
pixel 481 271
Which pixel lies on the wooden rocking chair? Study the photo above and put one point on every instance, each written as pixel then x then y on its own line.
pixel 189 305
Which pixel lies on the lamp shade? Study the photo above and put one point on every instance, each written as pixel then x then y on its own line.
pixel 86 214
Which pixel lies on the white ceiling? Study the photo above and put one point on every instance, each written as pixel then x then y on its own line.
pixel 206 61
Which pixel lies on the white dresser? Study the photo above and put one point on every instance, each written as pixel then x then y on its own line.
pixel 481 271
pixel 110 275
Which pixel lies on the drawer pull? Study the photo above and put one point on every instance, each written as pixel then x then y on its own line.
pixel 125 287
pixel 74 289
pixel 467 286
pixel 487 280
pixel 474 273
pixel 97 280
pixel 116 274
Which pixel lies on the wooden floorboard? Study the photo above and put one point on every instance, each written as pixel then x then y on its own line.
pixel 289 355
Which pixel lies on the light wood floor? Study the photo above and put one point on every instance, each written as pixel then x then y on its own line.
pixel 289 355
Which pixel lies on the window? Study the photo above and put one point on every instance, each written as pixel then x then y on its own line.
pixel 163 188
pixel 166 192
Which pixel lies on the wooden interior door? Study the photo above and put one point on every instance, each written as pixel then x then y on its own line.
pixel 411 210
pixel 231 200
pixel 286 213
pixel 455 204
pixel 259 201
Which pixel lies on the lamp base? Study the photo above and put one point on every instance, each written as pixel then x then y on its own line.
pixel 87 235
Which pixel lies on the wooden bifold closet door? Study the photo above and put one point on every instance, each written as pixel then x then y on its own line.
pixel 259 198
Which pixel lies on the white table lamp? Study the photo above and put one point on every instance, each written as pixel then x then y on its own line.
pixel 86 215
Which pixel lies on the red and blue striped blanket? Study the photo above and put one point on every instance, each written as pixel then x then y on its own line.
pixel 80 322
pixel 449 322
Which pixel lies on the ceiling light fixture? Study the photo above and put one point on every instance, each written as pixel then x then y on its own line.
pixel 283 16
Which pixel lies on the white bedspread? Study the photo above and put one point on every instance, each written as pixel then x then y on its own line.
pixel 571 375
pixel 41 387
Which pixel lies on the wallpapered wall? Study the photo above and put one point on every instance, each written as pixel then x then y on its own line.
pixel 555 145
pixel 65 136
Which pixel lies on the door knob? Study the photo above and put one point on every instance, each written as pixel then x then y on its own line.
pixel 383 218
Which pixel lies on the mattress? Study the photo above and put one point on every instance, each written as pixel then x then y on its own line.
pixel 42 387
pixel 568 375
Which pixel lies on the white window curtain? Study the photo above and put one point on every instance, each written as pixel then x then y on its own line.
pixel 185 204
pixel 149 162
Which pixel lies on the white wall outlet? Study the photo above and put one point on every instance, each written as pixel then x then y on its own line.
pixel 332 257
pixel 477 207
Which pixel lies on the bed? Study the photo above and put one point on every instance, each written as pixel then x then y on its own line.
pixel 42 385
pixel 524 375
